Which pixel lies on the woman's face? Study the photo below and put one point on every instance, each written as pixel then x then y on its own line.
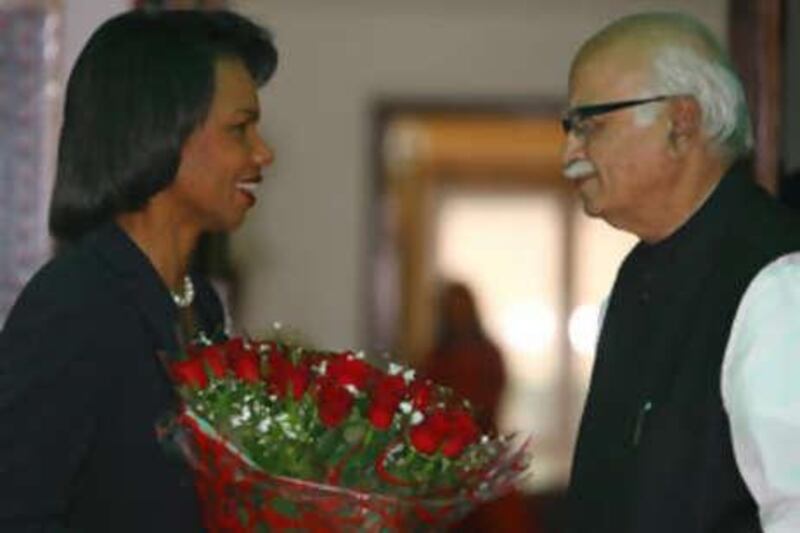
pixel 221 161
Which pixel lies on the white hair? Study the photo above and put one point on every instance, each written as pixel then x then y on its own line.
pixel 685 59
pixel 717 89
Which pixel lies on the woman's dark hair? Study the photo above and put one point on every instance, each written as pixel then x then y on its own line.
pixel 458 315
pixel 141 85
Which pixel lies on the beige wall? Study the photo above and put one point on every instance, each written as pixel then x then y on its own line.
pixel 81 17
pixel 300 252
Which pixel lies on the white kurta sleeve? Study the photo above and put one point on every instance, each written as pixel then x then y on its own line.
pixel 761 392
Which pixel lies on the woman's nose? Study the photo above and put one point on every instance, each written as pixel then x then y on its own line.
pixel 263 154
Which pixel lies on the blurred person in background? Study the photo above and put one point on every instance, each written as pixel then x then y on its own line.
pixel 465 359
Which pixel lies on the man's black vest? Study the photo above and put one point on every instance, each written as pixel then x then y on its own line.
pixel 654 451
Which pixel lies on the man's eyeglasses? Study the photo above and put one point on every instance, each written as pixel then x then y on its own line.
pixel 573 117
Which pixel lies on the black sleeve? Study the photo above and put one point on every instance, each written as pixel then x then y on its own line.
pixel 50 397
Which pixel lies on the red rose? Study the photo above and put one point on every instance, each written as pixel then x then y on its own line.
pixel 462 432
pixel 463 425
pixel 389 390
pixel 346 369
pixel 235 346
pixel 243 360
pixel 381 415
pixel 190 372
pixel 427 436
pixel 299 378
pixel 284 377
pixel 453 446
pixel 420 393
pixel 245 366
pixel 334 404
pixel 279 370
pixel 439 422
pixel 214 358
pixel 424 438
pixel 387 394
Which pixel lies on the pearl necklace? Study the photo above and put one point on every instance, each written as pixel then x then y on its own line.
pixel 186 296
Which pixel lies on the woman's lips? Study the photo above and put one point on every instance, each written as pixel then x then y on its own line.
pixel 248 189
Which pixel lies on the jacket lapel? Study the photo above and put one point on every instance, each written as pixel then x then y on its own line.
pixel 141 284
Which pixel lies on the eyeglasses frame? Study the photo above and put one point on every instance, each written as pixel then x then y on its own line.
pixel 573 116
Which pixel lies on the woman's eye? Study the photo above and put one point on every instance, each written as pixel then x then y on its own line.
pixel 239 128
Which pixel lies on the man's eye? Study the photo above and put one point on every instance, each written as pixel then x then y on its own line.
pixel 587 127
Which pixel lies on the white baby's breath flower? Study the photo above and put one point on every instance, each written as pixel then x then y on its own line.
pixel 359 355
pixel 264 425
pixel 236 421
pixel 394 452
pixel 406 407
pixel 408 375
pixel 203 338
pixel 417 418
pixel 395 369
pixel 322 369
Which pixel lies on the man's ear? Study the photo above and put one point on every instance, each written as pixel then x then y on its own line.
pixel 685 120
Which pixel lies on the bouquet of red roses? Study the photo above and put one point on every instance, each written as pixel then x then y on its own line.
pixel 286 438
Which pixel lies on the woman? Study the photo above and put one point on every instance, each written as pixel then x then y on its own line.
pixel 159 144
pixel 464 357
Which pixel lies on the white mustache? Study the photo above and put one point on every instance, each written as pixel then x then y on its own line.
pixel 577 169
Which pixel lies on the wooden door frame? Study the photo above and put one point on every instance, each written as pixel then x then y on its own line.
pixel 755 35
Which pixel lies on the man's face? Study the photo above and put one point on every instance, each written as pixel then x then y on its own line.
pixel 221 160
pixel 619 161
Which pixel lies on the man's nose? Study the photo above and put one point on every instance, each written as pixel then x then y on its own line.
pixel 572 149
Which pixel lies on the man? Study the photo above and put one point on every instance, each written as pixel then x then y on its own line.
pixel 693 413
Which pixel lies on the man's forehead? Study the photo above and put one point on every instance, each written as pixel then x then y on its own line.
pixel 592 89
pixel 607 75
